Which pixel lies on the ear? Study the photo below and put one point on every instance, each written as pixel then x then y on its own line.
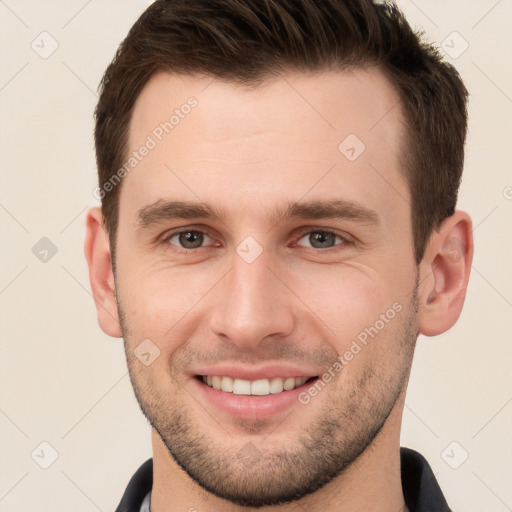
pixel 444 274
pixel 97 254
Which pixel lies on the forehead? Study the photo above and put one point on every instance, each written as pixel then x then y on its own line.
pixel 207 137
pixel 334 103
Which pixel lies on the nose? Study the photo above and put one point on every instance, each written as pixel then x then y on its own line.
pixel 253 303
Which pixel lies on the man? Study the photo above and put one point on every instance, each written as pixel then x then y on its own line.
pixel 278 225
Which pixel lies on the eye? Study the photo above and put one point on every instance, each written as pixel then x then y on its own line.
pixel 190 239
pixel 187 239
pixel 321 239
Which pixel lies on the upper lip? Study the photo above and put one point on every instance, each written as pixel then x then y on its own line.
pixel 255 373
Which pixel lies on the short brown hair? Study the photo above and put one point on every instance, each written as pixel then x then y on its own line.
pixel 245 41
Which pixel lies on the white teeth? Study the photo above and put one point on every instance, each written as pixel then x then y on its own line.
pixel 216 381
pixel 241 387
pixel 259 387
pixel 289 384
pixel 276 385
pixel 227 384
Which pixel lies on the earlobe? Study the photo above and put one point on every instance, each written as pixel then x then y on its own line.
pixel 444 273
pixel 97 254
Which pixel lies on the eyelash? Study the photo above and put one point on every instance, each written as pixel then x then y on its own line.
pixel 346 241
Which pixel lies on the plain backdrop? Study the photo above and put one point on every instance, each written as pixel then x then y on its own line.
pixel 71 432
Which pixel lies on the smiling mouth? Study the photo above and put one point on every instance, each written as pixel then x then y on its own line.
pixel 260 387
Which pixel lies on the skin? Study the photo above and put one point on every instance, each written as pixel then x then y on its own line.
pixel 249 151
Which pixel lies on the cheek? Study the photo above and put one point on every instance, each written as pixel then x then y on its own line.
pixel 161 301
pixel 346 299
pixel 361 316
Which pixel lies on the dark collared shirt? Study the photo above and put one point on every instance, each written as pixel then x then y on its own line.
pixel 419 485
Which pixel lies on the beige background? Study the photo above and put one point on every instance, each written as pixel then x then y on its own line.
pixel 65 383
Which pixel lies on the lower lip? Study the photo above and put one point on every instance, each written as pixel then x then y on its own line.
pixel 252 406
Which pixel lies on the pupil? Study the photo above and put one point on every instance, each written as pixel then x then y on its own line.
pixel 189 236
pixel 322 238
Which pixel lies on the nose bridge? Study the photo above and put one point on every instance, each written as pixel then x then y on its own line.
pixel 252 303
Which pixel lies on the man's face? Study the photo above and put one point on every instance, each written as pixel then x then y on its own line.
pixel 258 290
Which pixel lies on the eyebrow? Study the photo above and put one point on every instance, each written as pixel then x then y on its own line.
pixel 164 210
